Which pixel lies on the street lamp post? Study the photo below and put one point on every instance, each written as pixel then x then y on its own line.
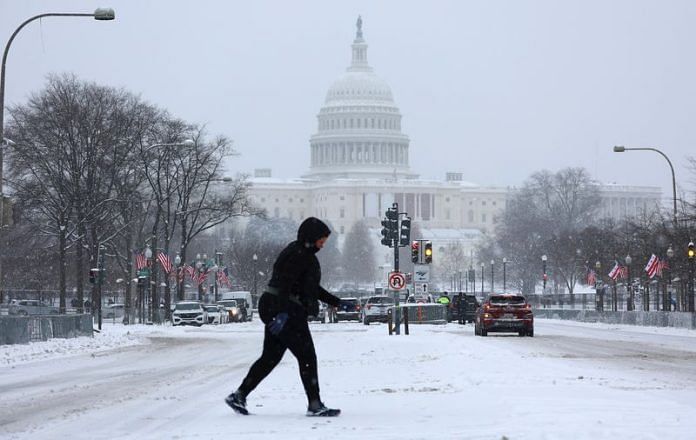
pixel 670 254
pixel 621 149
pixel 218 265
pixel 482 276
pixel 492 276
pixel 99 14
pixel 255 258
pixel 629 286
pixel 599 298
pixel 178 277
pixel 544 258
pixel 504 276
pixel 691 255
pixel 150 293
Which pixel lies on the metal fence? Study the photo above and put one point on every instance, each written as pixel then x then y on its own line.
pixel 26 329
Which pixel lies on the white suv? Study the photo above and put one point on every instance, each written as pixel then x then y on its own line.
pixel 375 309
pixel 24 307
pixel 189 312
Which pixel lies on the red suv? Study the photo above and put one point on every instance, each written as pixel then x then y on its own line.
pixel 505 313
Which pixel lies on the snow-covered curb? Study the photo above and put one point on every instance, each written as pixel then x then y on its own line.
pixel 112 336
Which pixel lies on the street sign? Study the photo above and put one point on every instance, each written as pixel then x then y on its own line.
pixel 421 273
pixel 397 281
pixel 144 272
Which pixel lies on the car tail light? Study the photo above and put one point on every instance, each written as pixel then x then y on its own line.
pixel 486 306
pixel 357 308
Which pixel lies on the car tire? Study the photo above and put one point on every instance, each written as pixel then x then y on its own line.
pixel 483 332
pixel 530 333
pixel 366 321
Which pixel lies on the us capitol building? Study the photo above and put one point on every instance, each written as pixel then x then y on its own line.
pixel 360 166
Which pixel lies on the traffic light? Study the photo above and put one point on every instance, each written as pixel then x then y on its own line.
pixel 405 232
pixel 93 275
pixel 390 227
pixel 428 252
pixel 691 252
pixel 386 233
pixel 415 251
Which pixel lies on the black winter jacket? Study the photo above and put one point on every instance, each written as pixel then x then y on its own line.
pixel 296 271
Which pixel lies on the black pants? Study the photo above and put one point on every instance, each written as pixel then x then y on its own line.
pixel 295 337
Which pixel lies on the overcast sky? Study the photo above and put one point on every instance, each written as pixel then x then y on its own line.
pixel 493 89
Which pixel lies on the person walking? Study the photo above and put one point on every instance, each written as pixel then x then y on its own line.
pixel 291 295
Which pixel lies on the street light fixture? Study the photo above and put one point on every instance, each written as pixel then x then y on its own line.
pixel 621 149
pixel 99 14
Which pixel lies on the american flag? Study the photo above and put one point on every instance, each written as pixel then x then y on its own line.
pixel 191 271
pixel 653 266
pixel 223 278
pixel 140 261
pixel 203 276
pixel 165 261
pixel 591 277
pixel 661 265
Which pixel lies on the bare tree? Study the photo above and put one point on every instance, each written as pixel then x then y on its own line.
pixel 200 207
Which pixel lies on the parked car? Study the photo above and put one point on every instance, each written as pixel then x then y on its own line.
pixel 349 310
pixel 24 307
pixel 113 311
pixel 189 312
pixel 321 316
pixel 505 313
pixel 376 309
pixel 230 306
pixel 216 314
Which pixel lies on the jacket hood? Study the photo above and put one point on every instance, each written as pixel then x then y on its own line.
pixel 311 230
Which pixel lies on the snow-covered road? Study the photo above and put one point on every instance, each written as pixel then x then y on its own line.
pixel 571 380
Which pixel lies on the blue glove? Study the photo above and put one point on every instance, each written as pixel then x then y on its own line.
pixel 277 324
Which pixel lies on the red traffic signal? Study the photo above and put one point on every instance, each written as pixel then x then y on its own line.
pixel 415 251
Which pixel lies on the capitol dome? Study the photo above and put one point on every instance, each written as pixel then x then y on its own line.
pixel 359 127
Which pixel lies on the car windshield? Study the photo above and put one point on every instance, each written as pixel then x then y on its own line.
pixel 188 306
pixel 228 303
pixel 507 300
pixel 381 300
pixel 350 301
pixel 211 308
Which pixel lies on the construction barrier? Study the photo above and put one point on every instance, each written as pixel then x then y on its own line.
pixel 426 313
pixel 26 329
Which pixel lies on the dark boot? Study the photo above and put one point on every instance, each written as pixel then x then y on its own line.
pixel 320 410
pixel 237 401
